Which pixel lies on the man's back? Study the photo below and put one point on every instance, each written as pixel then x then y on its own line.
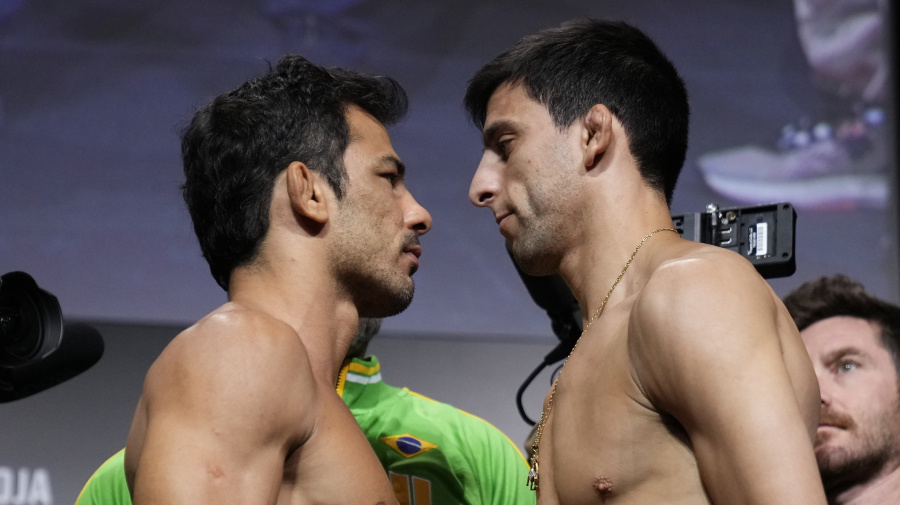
pixel 661 386
pixel 233 413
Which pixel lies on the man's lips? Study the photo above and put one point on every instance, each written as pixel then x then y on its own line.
pixel 413 254
pixel 415 250
pixel 502 224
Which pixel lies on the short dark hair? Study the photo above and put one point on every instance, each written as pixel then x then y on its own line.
pixel 237 145
pixel 580 63
pixel 838 295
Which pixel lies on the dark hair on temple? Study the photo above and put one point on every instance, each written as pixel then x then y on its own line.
pixel 237 145
pixel 570 68
pixel 838 295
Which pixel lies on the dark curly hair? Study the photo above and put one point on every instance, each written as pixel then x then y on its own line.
pixel 237 145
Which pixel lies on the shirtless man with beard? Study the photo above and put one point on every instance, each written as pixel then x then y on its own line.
pixel 299 203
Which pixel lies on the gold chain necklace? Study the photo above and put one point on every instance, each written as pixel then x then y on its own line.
pixel 532 481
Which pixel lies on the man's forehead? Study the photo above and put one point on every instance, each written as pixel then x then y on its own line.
pixel 362 124
pixel 511 98
pixel 840 332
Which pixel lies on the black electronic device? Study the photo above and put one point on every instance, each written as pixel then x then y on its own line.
pixel 37 349
pixel 764 234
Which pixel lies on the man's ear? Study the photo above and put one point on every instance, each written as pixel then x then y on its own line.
pixel 306 190
pixel 597 134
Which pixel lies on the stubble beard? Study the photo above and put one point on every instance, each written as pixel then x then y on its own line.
pixel 869 456
pixel 376 290
pixel 541 242
pixel 535 248
pixel 378 299
pixel 367 276
pixel 542 239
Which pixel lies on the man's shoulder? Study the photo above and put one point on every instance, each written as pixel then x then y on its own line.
pixel 235 329
pixel 235 320
pixel 697 275
pixel 232 349
pixel 690 259
pixel 706 305
pixel 704 298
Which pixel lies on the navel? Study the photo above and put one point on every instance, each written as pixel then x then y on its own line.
pixel 215 472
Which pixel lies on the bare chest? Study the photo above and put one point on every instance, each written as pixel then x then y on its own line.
pixel 604 442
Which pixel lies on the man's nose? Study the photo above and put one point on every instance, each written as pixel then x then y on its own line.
pixel 417 218
pixel 485 183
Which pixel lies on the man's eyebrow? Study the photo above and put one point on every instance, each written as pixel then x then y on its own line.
pixel 836 354
pixel 492 130
pixel 393 160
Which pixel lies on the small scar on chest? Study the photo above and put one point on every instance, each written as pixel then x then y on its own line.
pixel 603 486
pixel 215 472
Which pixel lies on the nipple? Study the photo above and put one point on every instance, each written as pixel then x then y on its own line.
pixel 603 486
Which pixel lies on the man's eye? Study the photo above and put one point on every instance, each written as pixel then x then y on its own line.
pixel 390 177
pixel 846 366
pixel 503 148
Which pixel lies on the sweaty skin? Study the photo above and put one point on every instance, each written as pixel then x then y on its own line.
pixel 241 408
pixel 693 387
pixel 661 403
pixel 233 402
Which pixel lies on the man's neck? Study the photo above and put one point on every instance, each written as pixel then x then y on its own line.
pixel 592 266
pixel 324 321
pixel 882 490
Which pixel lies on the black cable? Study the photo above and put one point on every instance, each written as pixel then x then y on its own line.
pixel 521 391
pixel 556 355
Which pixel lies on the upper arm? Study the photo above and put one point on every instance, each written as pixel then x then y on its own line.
pixel 707 350
pixel 224 407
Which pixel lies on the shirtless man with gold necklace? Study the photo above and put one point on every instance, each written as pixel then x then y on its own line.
pixel 690 384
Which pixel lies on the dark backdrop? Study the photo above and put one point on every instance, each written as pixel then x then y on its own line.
pixel 93 94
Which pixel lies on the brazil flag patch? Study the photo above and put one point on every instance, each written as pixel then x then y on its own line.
pixel 408 445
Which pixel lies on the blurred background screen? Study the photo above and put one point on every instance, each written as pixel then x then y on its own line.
pixel 790 103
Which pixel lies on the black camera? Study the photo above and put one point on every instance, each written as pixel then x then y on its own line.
pixel 37 348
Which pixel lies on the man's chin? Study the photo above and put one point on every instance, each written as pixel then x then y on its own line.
pixel 832 456
pixel 536 263
pixel 386 303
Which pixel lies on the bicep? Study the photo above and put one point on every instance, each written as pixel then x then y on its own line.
pixel 219 428
pixel 184 463
pixel 711 357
